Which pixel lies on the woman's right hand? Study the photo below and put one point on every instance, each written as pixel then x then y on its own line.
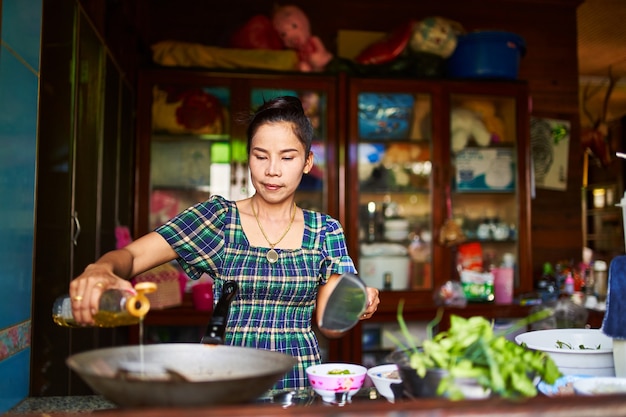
pixel 86 289
pixel 113 270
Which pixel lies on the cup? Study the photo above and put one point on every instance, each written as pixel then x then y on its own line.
pixel 202 294
pixel 503 285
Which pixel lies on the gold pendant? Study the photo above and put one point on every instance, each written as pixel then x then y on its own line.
pixel 272 256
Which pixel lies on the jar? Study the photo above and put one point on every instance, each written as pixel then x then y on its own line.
pixel 600 278
pixel 116 307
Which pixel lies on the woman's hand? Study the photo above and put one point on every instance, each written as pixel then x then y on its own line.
pixel 372 303
pixel 86 289
pixel 113 270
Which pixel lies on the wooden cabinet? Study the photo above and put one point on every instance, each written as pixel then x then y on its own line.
pixel 419 159
pixel 390 171
pixel 85 183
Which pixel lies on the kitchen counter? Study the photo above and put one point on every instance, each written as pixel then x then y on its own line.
pixel 68 405
pixel 570 406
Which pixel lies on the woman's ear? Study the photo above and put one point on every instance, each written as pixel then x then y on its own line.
pixel 308 164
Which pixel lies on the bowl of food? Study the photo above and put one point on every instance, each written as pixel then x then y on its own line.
pixel 383 377
pixel 336 383
pixel 603 385
pixel 574 351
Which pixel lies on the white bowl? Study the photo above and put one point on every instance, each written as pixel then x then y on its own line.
pixel 396 235
pixel 383 376
pixel 600 386
pixel 595 358
pixel 401 225
pixel 336 388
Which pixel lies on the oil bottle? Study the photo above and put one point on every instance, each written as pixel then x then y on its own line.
pixel 116 307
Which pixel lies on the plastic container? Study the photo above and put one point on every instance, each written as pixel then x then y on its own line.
pixel 202 294
pixel 503 285
pixel 487 54
pixel 116 307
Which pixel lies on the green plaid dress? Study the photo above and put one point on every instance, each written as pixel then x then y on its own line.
pixel 275 302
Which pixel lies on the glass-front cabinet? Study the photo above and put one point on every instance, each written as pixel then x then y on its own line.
pixel 419 172
pixel 439 177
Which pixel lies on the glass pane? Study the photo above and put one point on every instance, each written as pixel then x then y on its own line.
pixel 192 156
pixel 394 116
pixel 89 122
pixel 484 198
pixel 394 170
pixel 310 193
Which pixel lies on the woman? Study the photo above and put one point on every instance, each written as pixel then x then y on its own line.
pixel 286 260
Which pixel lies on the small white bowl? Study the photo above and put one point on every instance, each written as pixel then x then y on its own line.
pixel 336 388
pixel 600 386
pixel 383 376
pixel 564 347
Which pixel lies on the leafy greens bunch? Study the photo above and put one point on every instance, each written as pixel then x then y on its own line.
pixel 471 349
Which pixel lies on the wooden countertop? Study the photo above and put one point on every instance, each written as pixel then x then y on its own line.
pixel 570 406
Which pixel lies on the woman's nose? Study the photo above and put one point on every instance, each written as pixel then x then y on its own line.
pixel 273 169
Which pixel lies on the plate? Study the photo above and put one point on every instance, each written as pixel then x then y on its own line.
pixel 600 386
pixel 563 386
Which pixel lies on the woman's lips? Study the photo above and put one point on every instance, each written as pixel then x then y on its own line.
pixel 271 186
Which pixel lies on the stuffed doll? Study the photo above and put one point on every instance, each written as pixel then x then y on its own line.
pixel 293 28
pixel 467 125
pixel 257 33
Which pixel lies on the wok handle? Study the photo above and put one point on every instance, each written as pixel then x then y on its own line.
pixel 217 325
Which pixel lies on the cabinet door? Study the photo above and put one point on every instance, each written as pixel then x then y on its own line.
pixel 489 183
pixel 391 158
pixel 77 187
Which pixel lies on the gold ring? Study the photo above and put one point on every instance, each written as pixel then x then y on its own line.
pixel 99 284
pixel 77 298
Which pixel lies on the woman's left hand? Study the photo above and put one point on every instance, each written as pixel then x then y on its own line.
pixel 372 303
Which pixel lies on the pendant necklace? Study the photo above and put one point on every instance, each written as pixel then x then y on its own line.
pixel 272 255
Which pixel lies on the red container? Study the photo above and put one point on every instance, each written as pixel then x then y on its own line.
pixel 202 295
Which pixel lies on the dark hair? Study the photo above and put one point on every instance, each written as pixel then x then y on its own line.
pixel 283 109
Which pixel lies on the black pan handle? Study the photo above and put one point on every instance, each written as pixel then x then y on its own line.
pixel 217 325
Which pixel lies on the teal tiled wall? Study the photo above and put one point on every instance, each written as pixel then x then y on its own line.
pixel 20 32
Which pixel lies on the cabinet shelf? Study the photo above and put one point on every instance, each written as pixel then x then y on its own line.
pixel 176 137
pixel 200 188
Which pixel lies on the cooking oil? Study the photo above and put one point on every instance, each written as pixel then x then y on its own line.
pixel 116 308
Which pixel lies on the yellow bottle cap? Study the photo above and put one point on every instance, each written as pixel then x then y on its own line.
pixel 139 305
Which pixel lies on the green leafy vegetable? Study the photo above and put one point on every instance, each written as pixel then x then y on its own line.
pixel 471 349
pixel 564 345
pixel 339 372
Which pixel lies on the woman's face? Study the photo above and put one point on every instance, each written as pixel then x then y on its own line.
pixel 277 161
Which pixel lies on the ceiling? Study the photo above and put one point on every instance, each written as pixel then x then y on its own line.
pixel 602 45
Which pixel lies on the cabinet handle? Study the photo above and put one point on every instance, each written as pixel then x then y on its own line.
pixel 77 232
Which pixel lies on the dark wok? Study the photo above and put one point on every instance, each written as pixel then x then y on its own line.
pixel 183 374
